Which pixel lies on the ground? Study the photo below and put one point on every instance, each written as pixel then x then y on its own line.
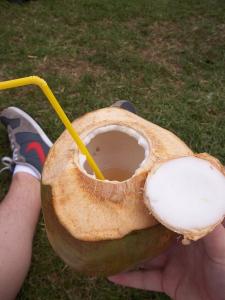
pixel 166 56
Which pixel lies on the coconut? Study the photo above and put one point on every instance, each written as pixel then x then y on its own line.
pixel 192 201
pixel 104 227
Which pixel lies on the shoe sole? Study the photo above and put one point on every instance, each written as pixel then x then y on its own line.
pixel 35 124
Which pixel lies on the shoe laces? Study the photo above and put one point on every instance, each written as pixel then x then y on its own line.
pixel 13 147
pixel 8 163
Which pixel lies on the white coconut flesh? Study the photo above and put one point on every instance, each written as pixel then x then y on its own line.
pixel 119 151
pixel 187 195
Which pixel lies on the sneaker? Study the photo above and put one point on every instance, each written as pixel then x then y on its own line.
pixel 125 104
pixel 29 143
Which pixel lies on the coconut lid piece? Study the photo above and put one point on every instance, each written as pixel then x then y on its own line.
pixel 187 195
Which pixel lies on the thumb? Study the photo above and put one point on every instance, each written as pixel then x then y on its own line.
pixel 214 244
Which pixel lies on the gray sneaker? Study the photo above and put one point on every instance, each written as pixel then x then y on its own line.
pixel 29 143
pixel 125 104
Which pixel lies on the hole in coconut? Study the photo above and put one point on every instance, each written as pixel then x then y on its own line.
pixel 118 151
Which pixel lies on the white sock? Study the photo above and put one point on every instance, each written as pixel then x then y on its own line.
pixel 26 169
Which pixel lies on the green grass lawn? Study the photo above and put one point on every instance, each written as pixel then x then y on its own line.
pixel 166 56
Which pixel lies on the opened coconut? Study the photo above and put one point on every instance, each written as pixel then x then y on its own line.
pixel 104 227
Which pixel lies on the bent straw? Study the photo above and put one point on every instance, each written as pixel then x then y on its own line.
pixel 58 109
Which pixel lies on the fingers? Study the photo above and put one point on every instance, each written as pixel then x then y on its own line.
pixel 146 280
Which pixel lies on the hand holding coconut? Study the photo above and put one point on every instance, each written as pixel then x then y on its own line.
pixel 155 186
pixel 196 272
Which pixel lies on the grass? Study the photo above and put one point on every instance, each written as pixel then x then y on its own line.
pixel 166 56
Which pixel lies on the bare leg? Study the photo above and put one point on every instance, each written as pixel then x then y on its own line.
pixel 19 213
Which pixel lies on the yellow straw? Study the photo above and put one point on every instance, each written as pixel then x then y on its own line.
pixel 58 109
